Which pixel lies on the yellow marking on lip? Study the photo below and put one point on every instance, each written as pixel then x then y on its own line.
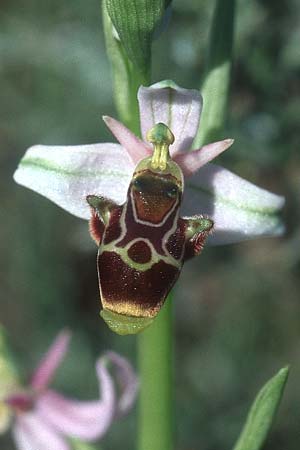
pixel 128 308
pixel 142 267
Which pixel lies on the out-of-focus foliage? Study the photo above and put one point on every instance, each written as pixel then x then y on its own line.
pixel 237 307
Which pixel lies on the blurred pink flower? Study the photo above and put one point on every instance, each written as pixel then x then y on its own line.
pixel 67 174
pixel 44 419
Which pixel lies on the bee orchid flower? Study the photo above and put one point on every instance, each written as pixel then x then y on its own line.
pixel 68 174
pixel 43 419
pixel 132 193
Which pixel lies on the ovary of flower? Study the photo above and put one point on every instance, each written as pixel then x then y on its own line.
pixel 43 418
pixel 67 174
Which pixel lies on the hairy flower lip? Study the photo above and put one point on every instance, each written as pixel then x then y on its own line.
pixel 67 174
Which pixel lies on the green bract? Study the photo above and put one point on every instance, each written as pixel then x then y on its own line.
pixel 135 22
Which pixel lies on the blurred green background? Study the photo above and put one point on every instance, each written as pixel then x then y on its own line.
pixel 237 307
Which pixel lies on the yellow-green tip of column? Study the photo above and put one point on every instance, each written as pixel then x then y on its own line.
pixel 121 324
pixel 161 137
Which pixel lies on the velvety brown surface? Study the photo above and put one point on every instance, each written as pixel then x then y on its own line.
pixel 113 230
pixel 154 196
pixel 119 283
pixel 140 252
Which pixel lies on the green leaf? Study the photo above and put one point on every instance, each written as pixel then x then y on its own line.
pixel 262 413
pixel 215 85
pixel 135 22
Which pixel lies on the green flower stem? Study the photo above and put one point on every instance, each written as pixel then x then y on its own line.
pixel 217 79
pixel 155 344
pixel 155 427
pixel 155 354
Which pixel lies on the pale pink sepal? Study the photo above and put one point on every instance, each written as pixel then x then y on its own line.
pixel 240 209
pixel 176 107
pixel 47 367
pixel 127 381
pixel 83 420
pixel 67 174
pixel 136 148
pixel 190 162
pixel 30 432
